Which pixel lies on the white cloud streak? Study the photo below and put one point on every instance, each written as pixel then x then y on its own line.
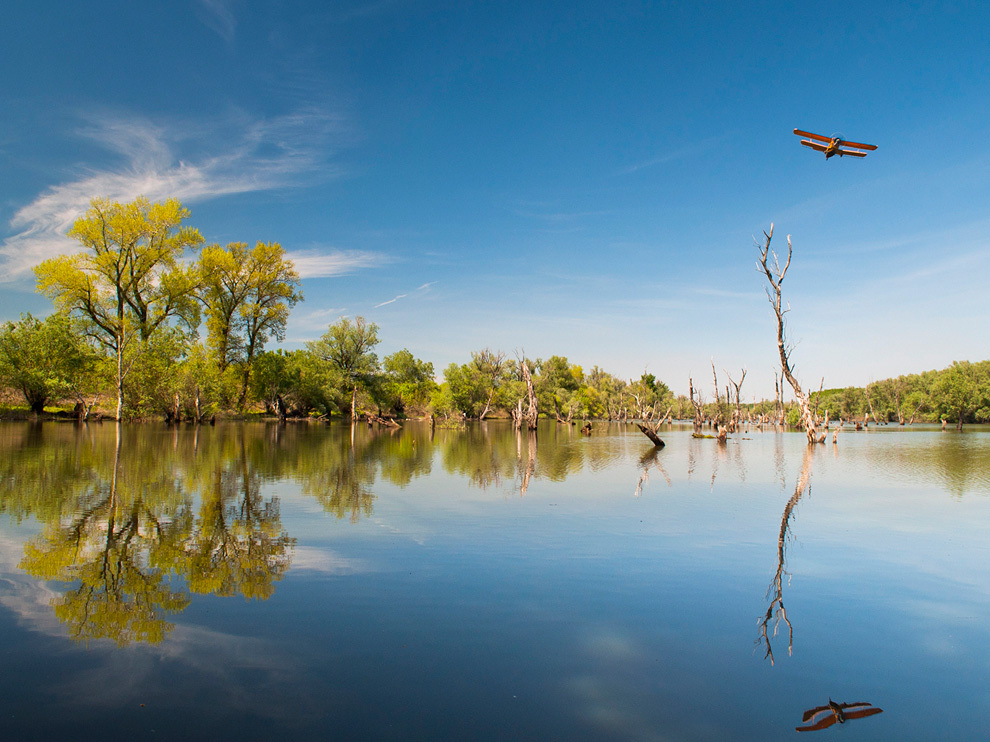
pixel 218 16
pixel 256 155
pixel 421 290
pixel 391 301
pixel 680 153
pixel 314 264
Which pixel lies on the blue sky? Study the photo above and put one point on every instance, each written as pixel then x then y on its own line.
pixel 580 179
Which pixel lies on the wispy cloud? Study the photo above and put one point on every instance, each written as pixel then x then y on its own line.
pixel 305 327
pixel 680 153
pixel 316 264
pixel 241 155
pixel 322 560
pixel 420 290
pixel 218 16
pixel 391 301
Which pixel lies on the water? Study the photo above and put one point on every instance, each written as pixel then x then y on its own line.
pixel 310 582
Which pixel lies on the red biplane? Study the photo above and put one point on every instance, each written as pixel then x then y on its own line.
pixel 833 145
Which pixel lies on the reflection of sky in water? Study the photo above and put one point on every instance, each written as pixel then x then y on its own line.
pixel 579 610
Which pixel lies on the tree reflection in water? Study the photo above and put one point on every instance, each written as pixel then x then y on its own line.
pixel 776 612
pixel 648 459
pixel 491 454
pixel 110 548
pixel 123 526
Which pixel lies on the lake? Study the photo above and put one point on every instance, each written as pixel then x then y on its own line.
pixel 256 581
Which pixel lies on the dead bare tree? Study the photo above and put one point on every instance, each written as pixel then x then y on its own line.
pixel 531 414
pixel 651 427
pixel 559 415
pixel 652 433
pixel 697 404
pixel 737 415
pixel 775 277
pixel 719 416
pixel 779 400
pixel 869 404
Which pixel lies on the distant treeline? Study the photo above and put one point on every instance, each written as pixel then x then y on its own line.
pixel 52 361
pixel 959 393
pixel 125 341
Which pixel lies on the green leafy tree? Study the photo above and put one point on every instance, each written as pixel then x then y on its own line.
pixel 247 295
pixel 649 397
pixel 348 347
pixel 155 376
pixel 464 390
pixel 494 367
pixel 271 379
pixel 603 395
pixel 202 389
pixel 129 281
pixel 962 391
pixel 407 381
pixel 46 360
pixel 557 385
pixel 299 380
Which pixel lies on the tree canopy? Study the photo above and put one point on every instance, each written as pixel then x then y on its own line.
pixel 128 280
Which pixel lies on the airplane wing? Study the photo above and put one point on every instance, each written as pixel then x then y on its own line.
pixel 864 712
pixel 823 724
pixel 844 143
pixel 813 145
pixel 850 153
pixel 814 712
pixel 822 717
pixel 808 134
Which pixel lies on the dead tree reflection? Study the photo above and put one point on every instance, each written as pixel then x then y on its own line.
pixel 776 612
pixel 527 468
pixel 648 459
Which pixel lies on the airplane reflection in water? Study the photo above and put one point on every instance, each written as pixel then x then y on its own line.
pixel 836 713
pixel 821 717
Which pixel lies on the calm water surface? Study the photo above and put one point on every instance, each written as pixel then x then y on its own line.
pixel 310 582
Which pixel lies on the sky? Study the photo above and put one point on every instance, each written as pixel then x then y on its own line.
pixel 582 179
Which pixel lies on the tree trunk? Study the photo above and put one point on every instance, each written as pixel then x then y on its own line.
pixel 532 414
pixel 120 384
pixel 652 435
pixel 775 276
pixel 488 404
pixel 698 417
